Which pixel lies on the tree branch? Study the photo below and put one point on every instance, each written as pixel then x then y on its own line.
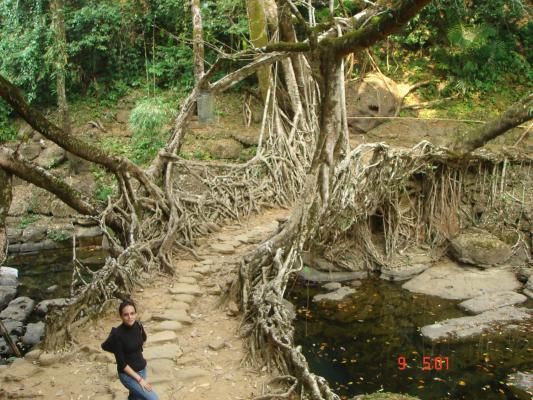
pixel 515 115
pixel 13 163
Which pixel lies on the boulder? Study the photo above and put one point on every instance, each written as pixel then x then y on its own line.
pixel 42 307
pixel 224 148
pixel 479 248
pixel 34 333
pixel 335 296
pixel 217 344
pixel 491 301
pixel 5 349
pixel 30 151
pixel 448 280
pixel 521 383
pixel 18 309
pixel 7 293
pixel 34 233
pixel 248 137
pixel 459 328
pixel 14 327
pixel 406 264
pixel 50 156
pixel 8 280
pixel 373 96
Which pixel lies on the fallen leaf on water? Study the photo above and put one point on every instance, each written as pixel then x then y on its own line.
pixel 461 383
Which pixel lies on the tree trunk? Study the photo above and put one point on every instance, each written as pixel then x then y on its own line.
pixel 257 23
pixel 5 203
pixel 60 66
pixel 205 101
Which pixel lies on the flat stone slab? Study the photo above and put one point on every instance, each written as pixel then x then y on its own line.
pixel 162 337
pixel 179 305
pixel 160 367
pixel 184 298
pixel 491 301
pixel 185 288
pixel 21 369
pixel 402 273
pixel 313 275
pixel 337 295
pixel 223 248
pixel 190 374
pixel 521 383
pixel 173 315
pixel 451 281
pixel 195 275
pixel 201 269
pixel 187 279
pixel 168 326
pixel 167 351
pixel 458 328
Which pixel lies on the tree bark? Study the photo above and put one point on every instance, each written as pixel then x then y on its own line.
pixel 13 163
pixel 257 23
pixel 5 203
pixel 517 114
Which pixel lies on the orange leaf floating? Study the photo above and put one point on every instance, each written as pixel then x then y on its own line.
pixel 461 383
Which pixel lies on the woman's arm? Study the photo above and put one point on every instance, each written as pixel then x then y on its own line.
pixel 142 382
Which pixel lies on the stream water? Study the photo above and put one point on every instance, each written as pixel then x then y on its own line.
pixel 372 342
pixel 38 272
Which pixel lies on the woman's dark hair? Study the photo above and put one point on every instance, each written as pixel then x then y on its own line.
pixel 126 303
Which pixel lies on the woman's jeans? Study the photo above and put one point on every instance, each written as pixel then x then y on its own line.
pixel 136 391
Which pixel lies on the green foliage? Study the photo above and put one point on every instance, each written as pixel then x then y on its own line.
pixel 7 130
pixel 103 187
pixel 474 45
pixel 57 235
pixel 146 121
pixel 28 220
pixel 248 153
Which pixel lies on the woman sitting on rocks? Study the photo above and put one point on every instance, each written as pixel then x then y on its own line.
pixel 126 342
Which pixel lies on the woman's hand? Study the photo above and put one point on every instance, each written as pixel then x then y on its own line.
pixel 145 385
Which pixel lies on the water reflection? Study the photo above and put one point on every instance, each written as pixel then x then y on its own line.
pixel 357 344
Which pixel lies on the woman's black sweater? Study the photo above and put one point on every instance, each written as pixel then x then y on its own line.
pixel 128 347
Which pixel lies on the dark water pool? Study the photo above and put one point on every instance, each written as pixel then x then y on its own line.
pixel 40 271
pixel 372 342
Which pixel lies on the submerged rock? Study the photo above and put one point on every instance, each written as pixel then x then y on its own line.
pixel 491 301
pixel 332 286
pixel 521 383
pixel 450 281
pixel 480 248
pixel 312 275
pixel 458 328
pixel 337 295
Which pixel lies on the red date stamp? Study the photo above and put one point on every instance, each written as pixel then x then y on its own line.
pixel 429 363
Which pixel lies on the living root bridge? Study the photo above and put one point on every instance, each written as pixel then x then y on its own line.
pixel 423 195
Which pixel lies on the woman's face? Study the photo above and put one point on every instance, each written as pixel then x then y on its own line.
pixel 128 315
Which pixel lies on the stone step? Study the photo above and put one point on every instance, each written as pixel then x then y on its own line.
pixel 169 351
pixel 190 374
pixel 187 279
pixel 179 305
pixel 173 315
pixel 168 326
pixel 185 288
pixel 222 248
pixel 162 337
pixel 202 269
pixel 184 298
pixel 195 275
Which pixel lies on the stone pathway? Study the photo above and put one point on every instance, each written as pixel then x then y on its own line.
pixel 193 348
